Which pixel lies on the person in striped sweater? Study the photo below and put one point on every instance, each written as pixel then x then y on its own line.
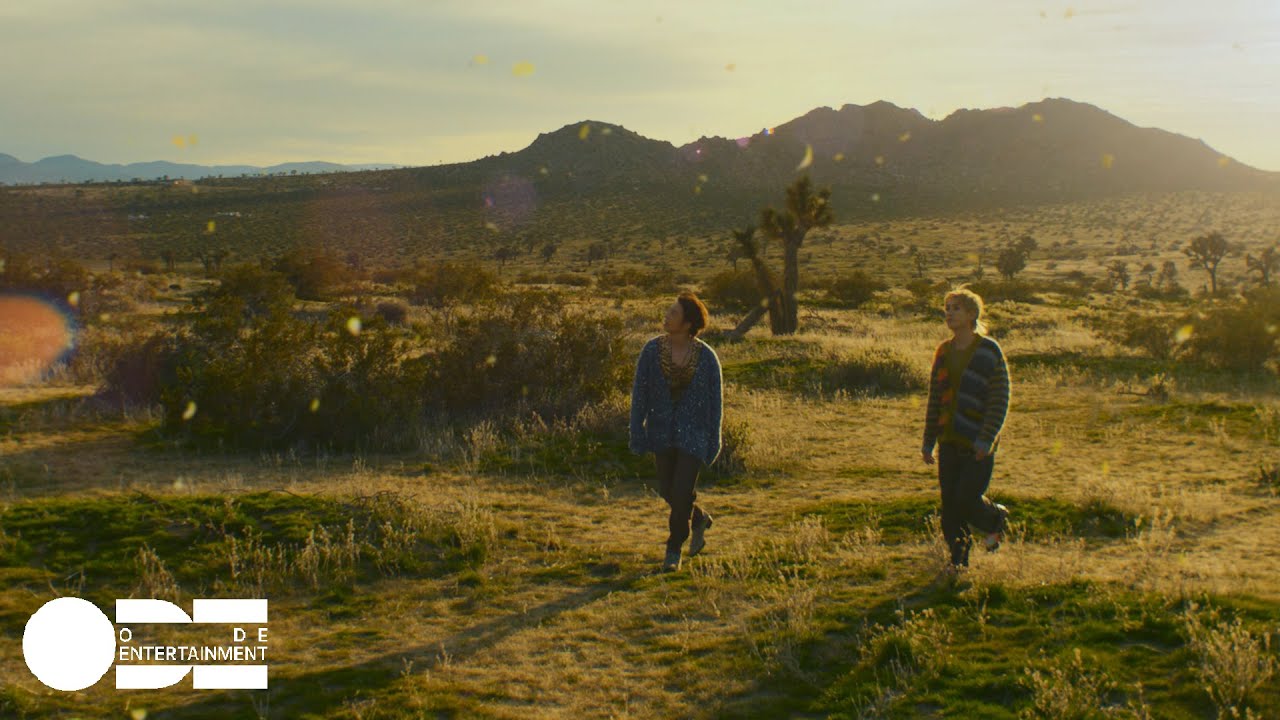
pixel 968 403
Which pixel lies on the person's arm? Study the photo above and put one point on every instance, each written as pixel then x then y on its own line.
pixel 639 404
pixel 715 408
pixel 997 404
pixel 933 407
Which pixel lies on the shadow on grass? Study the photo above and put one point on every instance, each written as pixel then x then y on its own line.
pixel 308 694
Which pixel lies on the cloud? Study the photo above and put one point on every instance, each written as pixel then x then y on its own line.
pixel 117 81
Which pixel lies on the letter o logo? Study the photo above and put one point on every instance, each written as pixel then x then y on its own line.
pixel 69 644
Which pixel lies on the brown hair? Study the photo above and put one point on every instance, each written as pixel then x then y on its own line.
pixel 695 313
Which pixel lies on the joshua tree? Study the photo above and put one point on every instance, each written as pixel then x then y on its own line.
pixel 596 251
pixel 1118 271
pixel 805 210
pixel 770 295
pixel 1266 265
pixel 1205 252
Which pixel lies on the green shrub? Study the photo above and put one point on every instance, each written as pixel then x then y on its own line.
pixel 252 289
pixel 874 371
pixel 732 290
pixel 393 313
pixel 1235 338
pixel 993 291
pixel 530 352
pixel 1153 336
pixel 444 286
pixel 854 289
pixel 313 275
pixel 649 280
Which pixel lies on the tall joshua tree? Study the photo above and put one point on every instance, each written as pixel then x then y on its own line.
pixel 804 211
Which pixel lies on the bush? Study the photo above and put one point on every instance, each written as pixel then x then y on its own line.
pixel 874 371
pixel 735 445
pixel 855 289
pixel 573 279
pixel 649 280
pixel 393 313
pixel 134 372
pixel 530 353
pixel 365 395
pixel 239 379
pixel 733 290
pixel 993 291
pixel 1237 338
pixel 446 285
pixel 251 290
pixel 53 278
pixel 1153 336
pixel 313 275
pixel 272 379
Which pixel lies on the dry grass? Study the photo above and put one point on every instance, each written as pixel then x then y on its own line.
pixel 566 615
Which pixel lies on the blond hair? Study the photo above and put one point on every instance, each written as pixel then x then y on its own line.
pixel 972 302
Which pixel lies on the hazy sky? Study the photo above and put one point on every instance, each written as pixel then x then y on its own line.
pixel 416 82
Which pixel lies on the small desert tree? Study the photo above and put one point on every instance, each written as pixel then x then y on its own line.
pixel 1118 273
pixel 1011 261
pixel 1206 252
pixel 1267 264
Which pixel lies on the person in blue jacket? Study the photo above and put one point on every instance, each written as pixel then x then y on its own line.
pixel 675 414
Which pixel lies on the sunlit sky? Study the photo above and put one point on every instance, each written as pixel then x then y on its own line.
pixel 416 82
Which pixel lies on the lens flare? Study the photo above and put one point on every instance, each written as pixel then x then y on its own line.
pixel 33 336
pixel 807 160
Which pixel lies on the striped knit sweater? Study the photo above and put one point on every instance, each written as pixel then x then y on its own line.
pixel 982 402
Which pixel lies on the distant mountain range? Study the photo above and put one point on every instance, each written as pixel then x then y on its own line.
pixel 1051 150
pixel 72 169
pixel 597 179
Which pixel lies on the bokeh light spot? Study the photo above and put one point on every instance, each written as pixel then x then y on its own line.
pixel 522 69
pixel 33 336
pixel 354 325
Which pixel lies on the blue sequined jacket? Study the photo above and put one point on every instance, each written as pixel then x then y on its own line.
pixel 692 423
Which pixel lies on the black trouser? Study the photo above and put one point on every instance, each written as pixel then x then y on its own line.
pixel 963 480
pixel 677 482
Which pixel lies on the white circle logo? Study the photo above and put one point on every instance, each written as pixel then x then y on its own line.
pixel 69 644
